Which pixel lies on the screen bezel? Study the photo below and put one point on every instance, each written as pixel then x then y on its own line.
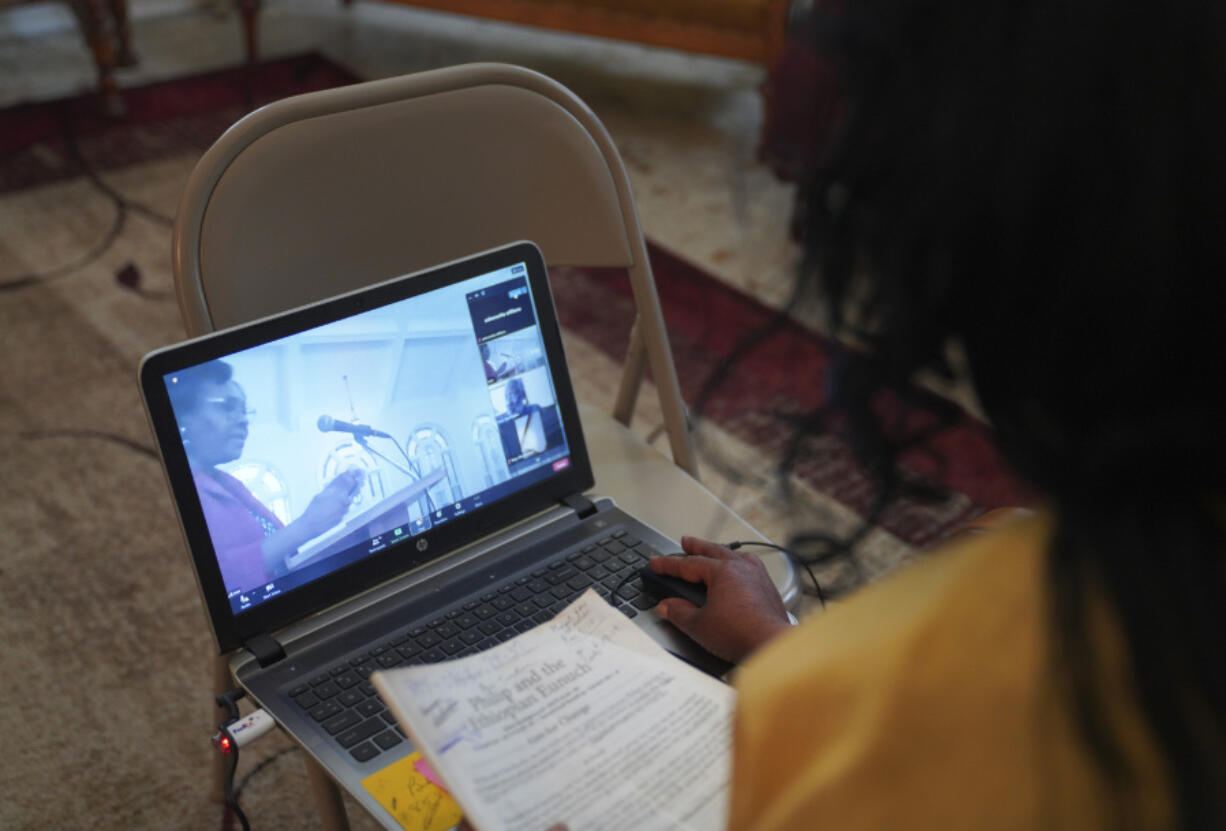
pixel 233 630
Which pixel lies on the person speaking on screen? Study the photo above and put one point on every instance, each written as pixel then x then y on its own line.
pixel 252 544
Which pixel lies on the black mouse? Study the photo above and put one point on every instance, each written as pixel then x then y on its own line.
pixel 661 586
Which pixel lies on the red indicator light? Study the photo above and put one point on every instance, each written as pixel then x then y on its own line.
pixel 225 744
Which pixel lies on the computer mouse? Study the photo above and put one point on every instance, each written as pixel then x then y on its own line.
pixel 662 586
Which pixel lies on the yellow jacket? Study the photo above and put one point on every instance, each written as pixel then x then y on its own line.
pixel 930 701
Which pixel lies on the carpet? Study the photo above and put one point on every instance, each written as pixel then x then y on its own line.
pixel 100 614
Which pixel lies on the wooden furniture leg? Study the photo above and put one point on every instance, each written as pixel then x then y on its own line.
pixel 93 17
pixel 332 814
pixel 123 35
pixel 250 10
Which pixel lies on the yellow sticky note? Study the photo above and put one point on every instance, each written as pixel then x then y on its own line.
pixel 416 803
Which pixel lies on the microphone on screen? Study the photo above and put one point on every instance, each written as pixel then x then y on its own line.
pixel 328 424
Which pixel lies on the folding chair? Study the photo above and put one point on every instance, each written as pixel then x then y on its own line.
pixel 318 194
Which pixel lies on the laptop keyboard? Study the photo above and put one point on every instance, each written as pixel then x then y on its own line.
pixel 345 703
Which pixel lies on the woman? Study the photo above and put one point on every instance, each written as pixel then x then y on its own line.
pixel 251 543
pixel 1041 186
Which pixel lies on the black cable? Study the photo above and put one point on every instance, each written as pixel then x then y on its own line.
pixel 89 256
pixel 122 206
pixel 74 151
pixel 416 472
pixel 821 597
pixel 261 766
pixel 411 472
pixel 233 811
pixel 374 452
pixel 844 549
pixel 407 460
pixel 615 595
pixel 230 702
pixel 231 794
pixel 720 374
pixel 117 197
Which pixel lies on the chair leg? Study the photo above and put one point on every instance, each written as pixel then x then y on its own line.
pixel 332 814
pixel 632 376
pixel 660 359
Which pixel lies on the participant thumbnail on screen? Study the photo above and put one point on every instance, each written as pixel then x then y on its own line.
pixel 527 417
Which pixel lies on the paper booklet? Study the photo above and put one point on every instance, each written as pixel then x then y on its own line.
pixel 583 720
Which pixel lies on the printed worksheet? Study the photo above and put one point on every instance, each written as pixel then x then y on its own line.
pixel 583 720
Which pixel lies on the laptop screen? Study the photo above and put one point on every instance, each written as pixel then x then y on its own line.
pixel 325 447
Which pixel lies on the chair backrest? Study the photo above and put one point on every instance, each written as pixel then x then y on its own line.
pixel 324 192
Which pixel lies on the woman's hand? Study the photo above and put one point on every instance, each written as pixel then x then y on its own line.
pixel 323 512
pixel 743 609
pixel 332 503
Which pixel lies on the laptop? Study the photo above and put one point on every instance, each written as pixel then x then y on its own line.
pixel 393 476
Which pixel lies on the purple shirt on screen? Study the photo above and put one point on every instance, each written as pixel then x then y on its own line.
pixel 232 514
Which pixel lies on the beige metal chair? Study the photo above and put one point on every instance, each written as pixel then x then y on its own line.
pixel 318 194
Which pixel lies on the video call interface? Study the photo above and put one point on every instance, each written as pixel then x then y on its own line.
pixel 323 448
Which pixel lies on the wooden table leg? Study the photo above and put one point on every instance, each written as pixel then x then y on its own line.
pixel 93 17
pixel 250 10
pixel 123 35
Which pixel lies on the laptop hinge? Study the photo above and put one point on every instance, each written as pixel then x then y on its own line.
pixel 580 504
pixel 265 649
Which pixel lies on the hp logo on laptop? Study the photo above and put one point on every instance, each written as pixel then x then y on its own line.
pixel 422 545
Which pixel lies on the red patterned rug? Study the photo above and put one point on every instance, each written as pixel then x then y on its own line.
pixel 59 140
pixel 163 118
pixel 786 374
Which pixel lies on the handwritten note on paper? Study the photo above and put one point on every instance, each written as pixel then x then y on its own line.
pixel 584 720
pixel 417 804
pixel 592 616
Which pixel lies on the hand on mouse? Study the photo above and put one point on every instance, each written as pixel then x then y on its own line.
pixel 743 609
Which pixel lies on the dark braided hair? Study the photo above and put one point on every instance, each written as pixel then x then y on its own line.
pixel 1042 184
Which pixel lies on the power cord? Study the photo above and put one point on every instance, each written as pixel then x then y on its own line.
pixel 817 587
pixel 123 207
pixel 226 744
pixel 615 595
pixel 228 818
